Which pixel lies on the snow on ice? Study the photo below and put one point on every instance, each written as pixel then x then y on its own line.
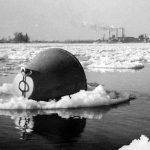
pixel 93 57
pixel 141 144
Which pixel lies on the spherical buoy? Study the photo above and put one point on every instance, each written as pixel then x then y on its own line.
pixel 53 73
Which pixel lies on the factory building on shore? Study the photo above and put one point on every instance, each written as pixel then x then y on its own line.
pixel 117 35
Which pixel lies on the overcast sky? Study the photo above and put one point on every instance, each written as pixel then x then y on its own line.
pixel 71 19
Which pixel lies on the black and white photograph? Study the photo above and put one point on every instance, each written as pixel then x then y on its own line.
pixel 74 75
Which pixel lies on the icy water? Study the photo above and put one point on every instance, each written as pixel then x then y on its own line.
pixel 101 128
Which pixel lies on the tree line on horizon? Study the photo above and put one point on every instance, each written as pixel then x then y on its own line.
pixel 18 37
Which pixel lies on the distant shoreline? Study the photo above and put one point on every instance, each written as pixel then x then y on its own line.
pixel 70 42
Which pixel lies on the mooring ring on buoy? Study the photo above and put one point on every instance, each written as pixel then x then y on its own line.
pixel 26 86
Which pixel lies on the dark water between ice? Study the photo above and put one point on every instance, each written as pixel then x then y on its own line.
pixel 105 128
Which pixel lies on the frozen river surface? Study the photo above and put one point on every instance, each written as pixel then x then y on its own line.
pixel 120 67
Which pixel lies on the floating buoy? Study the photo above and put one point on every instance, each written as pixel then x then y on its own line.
pixel 53 73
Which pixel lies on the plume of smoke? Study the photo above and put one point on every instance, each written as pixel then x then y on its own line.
pixel 98 26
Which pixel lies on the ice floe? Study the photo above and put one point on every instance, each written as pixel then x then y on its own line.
pixel 138 144
pixel 92 98
pixel 91 56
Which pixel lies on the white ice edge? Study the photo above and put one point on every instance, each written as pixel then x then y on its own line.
pixel 95 97
pixel 138 144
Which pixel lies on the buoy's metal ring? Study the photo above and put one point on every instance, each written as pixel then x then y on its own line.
pixel 25 72
pixel 25 85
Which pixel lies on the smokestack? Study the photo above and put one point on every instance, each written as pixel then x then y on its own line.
pixel 123 32
pixel 117 33
pixel 109 32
